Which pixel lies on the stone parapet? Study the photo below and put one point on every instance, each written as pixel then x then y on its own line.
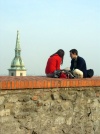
pixel 38 82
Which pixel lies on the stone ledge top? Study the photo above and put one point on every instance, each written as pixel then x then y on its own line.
pixel 42 82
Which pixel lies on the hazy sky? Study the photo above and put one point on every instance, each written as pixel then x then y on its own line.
pixel 46 26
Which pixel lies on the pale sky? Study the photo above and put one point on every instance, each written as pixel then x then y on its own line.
pixel 46 26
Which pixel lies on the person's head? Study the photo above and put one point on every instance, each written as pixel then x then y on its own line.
pixel 61 53
pixel 73 53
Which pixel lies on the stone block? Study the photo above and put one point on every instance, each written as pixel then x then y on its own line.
pixel 55 96
pixel 4 119
pixel 24 98
pixel 9 105
pixel 59 121
pixel 64 96
pixel 13 98
pixel 10 128
pixel 35 98
pixel 1 100
pixel 5 112
pixel 21 115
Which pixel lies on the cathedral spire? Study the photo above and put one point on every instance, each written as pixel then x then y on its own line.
pixel 17 64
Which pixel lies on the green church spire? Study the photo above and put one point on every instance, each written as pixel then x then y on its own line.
pixel 17 62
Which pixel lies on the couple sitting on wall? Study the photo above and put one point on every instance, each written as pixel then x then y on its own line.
pixel 78 67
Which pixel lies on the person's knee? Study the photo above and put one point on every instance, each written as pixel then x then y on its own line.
pixel 77 73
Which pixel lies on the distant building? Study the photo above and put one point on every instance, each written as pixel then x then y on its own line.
pixel 17 65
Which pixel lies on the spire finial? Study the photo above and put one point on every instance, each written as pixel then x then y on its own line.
pixel 18 42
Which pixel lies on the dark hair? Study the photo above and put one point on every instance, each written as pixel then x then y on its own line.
pixel 61 53
pixel 74 51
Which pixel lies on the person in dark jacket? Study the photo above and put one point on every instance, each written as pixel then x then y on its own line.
pixel 78 65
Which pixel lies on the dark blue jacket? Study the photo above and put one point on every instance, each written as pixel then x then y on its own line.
pixel 81 65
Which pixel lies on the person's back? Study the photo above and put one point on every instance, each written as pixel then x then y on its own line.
pixel 53 64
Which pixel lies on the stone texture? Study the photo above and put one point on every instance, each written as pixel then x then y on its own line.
pixel 13 98
pixel 1 100
pixel 5 112
pixel 62 111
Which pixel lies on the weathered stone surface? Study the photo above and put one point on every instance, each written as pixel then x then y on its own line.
pixel 7 119
pixel 21 115
pixel 13 98
pixel 1 100
pixel 9 128
pixel 64 96
pixel 55 96
pixel 5 112
pixel 9 105
pixel 45 96
pixel 24 98
pixel 58 111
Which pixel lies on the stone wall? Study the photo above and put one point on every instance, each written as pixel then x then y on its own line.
pixel 50 111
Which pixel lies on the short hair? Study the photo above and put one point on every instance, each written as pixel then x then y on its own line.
pixel 74 51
